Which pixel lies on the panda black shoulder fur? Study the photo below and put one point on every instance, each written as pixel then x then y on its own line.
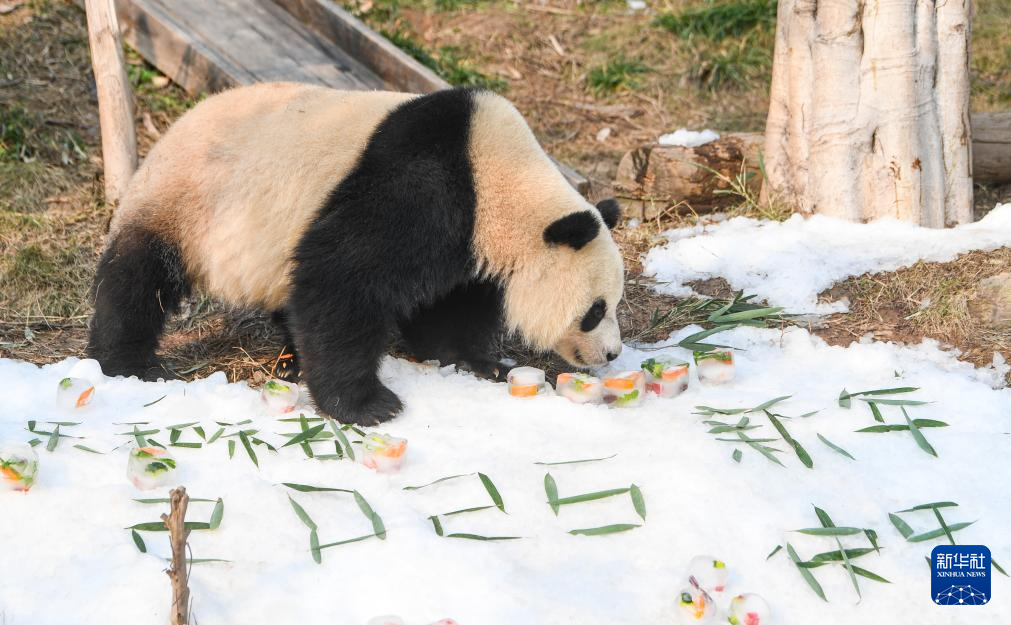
pixel 352 216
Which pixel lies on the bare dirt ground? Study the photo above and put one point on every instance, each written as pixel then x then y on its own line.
pixel 573 68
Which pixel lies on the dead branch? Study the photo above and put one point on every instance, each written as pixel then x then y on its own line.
pixel 175 521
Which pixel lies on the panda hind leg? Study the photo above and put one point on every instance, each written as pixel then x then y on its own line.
pixel 460 328
pixel 140 280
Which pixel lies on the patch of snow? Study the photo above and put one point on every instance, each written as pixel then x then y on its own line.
pixel 789 263
pixel 688 138
pixel 67 558
pixel 636 5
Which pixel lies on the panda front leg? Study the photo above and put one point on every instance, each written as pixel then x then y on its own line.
pixel 460 328
pixel 340 345
pixel 287 366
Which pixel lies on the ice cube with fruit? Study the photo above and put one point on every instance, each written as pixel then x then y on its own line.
pixel 749 609
pixel 150 467
pixel 624 389
pixel 666 376
pixel 696 606
pixel 709 573
pixel 74 393
pixel 19 464
pixel 525 381
pixel 383 452
pixel 279 396
pixel 581 388
pixel 715 366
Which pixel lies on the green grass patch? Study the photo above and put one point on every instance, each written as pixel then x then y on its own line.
pixel 618 74
pixel 719 20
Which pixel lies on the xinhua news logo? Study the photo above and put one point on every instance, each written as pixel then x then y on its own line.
pixel 960 575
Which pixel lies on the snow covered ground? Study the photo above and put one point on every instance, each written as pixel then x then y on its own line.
pixel 788 263
pixel 65 556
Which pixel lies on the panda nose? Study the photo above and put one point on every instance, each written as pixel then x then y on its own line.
pixel 611 356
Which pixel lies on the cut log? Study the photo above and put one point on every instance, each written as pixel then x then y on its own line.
pixel 991 147
pixel 655 177
pixel 115 99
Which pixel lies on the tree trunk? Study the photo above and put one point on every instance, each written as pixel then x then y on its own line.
pixel 115 102
pixel 869 111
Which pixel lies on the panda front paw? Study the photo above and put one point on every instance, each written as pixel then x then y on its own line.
pixel 377 407
pixel 487 369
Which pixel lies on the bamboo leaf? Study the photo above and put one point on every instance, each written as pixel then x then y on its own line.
pixel 921 440
pixel 216 435
pixel 492 491
pixel 954 527
pixel 441 479
pixel 149 404
pixel 869 575
pixel 802 454
pixel 637 501
pixel 200 432
pixel 823 517
pixel 768 404
pixel 305 436
pixel 231 448
pixel 483 538
pixel 174 436
pixel 159 526
pixel 305 488
pixel 872 537
pixel 606 529
pixel 835 447
pixel 314 547
pixel 876 412
pixel 217 514
pixel 944 526
pixel 895 402
pixel 551 490
pixel 998 567
pixel 249 448
pixel 87 449
pixel 466 510
pixel 54 439
pixel 187 445
pixel 339 433
pixel 138 436
pixel 377 523
pixel 836 556
pixel 348 541
pixel 745 315
pixel 437 524
pixel 808 577
pixel 736 455
pixel 830 531
pixel 881 391
pixel 849 568
pixel 139 541
pixel 900 525
pixel 774 551
pixel 602 494
pixel 931 506
pixel 844 399
pixel 552 464
pixel 302 514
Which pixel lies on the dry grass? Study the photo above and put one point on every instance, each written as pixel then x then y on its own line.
pixel 923 300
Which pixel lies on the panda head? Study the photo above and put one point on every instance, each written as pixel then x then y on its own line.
pixel 592 337
pixel 568 303
pixel 561 272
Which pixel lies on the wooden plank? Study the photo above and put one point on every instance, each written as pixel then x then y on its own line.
pixel 991 147
pixel 165 44
pixel 399 71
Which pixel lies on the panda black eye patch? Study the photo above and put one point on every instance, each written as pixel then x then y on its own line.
pixel 593 316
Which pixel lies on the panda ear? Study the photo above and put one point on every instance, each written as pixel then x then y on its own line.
pixel 574 230
pixel 610 211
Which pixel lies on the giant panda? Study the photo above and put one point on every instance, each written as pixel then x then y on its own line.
pixel 356 217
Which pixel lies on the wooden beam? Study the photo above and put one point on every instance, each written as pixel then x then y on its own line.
pixel 115 99
pixel 991 147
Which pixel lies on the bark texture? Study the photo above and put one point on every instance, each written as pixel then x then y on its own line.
pixel 869 110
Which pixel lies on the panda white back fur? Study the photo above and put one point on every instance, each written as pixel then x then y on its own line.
pixel 352 216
